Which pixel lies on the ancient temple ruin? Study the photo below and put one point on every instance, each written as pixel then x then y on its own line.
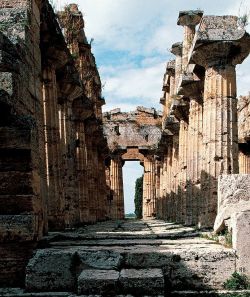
pixel 61 162
pixel 132 137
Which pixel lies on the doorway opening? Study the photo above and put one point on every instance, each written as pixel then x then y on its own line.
pixel 131 171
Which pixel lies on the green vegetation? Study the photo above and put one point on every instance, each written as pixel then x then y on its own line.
pixel 130 215
pixel 138 197
pixel 216 237
pixel 237 282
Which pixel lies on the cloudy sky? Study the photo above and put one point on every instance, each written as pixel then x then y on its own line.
pixel 131 42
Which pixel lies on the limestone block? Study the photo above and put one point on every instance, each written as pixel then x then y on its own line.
pixel 14 257
pixel 17 204
pixel 7 82
pixel 8 62
pixel 18 227
pixel 14 138
pixel 102 259
pixel 51 270
pixel 240 223
pixel 14 182
pixel 98 282
pixel 142 281
pixel 233 197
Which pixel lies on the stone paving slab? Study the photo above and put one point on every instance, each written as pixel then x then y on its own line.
pixel 102 282
pixel 129 242
pixel 147 281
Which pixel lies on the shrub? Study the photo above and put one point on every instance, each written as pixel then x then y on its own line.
pixel 237 282
pixel 138 197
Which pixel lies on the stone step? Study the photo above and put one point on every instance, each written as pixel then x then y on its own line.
pixel 16 292
pixel 111 282
pixel 142 281
pixel 185 266
pixel 225 293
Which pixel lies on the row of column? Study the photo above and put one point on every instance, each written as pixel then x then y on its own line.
pixel 114 180
pixel 75 168
pixel 205 145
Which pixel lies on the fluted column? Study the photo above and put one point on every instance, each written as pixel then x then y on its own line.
pixel 103 188
pixel 56 203
pixel 149 188
pixel 220 137
pixel 244 162
pixel 194 163
pixel 90 175
pixel 188 19
pixel 219 132
pixel 82 172
pixel 116 186
pixel 183 147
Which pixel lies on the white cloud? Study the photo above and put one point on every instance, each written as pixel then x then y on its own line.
pixel 127 84
pixel 143 31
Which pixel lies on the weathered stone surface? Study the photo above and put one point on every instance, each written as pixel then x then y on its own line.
pixel 240 223
pixel 143 281
pixel 102 282
pixel 51 270
pixel 233 197
pixel 241 293
pixel 18 228
pixel 102 259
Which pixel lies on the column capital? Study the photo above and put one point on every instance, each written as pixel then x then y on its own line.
pixel 176 49
pixel 189 17
pixel 191 85
pixel 170 69
pixel 219 41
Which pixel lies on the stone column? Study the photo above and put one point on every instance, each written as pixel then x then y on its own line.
pixel 103 187
pixel 188 19
pixel 91 183
pixel 244 158
pixel 149 188
pixel 182 183
pixel 177 50
pixel 116 186
pixel 194 163
pixel 220 137
pixel 56 201
pixel 219 132
pixel 81 157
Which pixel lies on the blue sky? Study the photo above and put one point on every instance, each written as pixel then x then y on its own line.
pixel 131 44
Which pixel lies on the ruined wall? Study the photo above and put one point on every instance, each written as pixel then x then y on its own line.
pixel 133 129
pixel 52 145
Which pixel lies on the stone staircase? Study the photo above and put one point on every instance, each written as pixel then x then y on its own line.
pixel 141 258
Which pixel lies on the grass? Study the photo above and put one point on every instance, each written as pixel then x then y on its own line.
pixel 237 282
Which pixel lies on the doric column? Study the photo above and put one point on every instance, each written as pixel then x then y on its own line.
pixel 219 131
pixel 244 158
pixel 220 140
pixel 116 186
pixel 56 203
pixel 149 188
pixel 182 183
pixel 188 19
pixel 81 162
pixel 177 49
pixel 194 162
